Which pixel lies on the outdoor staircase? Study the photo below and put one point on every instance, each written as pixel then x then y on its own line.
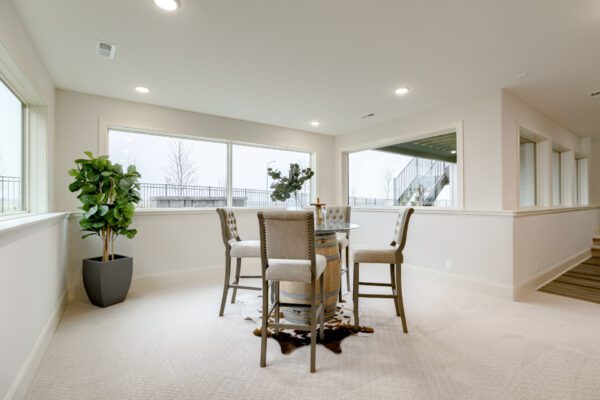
pixel 420 182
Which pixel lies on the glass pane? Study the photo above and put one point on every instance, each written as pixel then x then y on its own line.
pixel 176 172
pixel 418 173
pixel 11 152
pixel 556 179
pixel 252 184
pixel 527 175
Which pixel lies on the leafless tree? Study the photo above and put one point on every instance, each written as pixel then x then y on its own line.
pixel 181 169
pixel 386 182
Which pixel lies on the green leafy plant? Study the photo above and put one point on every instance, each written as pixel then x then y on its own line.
pixel 108 196
pixel 285 187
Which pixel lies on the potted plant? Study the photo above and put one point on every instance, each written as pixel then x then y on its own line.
pixel 285 187
pixel 108 195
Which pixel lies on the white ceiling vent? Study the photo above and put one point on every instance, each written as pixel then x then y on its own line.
pixel 104 49
pixel 595 94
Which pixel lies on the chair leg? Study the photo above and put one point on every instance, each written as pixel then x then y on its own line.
pixel 355 296
pixel 341 273
pixel 276 311
pixel 238 267
pixel 313 327
pixel 393 279
pixel 226 284
pixel 348 268
pixel 322 319
pixel 265 325
pixel 400 300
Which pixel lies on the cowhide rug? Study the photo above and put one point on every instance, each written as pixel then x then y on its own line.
pixel 337 329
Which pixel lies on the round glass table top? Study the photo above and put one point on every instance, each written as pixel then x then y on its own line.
pixel 330 226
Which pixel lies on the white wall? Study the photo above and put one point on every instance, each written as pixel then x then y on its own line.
pixel 547 243
pixel 77 123
pixel 32 290
pixel 516 114
pixel 167 241
pixel 480 118
pixel 32 259
pixel 478 245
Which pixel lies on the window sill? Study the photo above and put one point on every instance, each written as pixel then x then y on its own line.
pixel 26 220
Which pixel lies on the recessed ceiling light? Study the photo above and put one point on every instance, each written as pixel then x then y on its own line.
pixel 401 91
pixel 142 89
pixel 453 152
pixel 521 75
pixel 168 5
pixel 315 123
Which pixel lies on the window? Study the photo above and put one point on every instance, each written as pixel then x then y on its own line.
pixel 180 172
pixel 11 152
pixel 581 181
pixel 176 172
pixel 251 183
pixel 556 179
pixel 419 173
pixel 527 191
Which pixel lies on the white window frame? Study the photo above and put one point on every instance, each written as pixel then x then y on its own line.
pixel 569 187
pixel 104 128
pixel 456 127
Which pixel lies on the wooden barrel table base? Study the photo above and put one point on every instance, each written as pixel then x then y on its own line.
pixel 299 293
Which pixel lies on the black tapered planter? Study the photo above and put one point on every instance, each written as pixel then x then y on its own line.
pixel 107 283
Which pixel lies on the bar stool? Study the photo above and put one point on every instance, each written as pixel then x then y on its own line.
pixel 341 214
pixel 287 247
pixel 390 254
pixel 238 248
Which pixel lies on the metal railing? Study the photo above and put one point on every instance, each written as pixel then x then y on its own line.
pixel 164 195
pixel 11 194
pixel 420 182
pixel 369 202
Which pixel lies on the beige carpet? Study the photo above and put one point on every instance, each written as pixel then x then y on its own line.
pixel 167 342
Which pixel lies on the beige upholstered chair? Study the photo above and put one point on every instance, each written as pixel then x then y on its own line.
pixel 341 214
pixel 238 248
pixel 287 246
pixel 390 254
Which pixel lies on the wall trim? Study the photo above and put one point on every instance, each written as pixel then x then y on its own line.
pixel 20 385
pixel 549 274
pixel 504 292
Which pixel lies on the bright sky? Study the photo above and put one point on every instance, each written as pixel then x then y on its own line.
pixel 150 154
pixel 367 172
pixel 11 133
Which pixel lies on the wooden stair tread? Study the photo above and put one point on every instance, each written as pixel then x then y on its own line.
pixel 591 283
pixel 592 261
pixel 573 291
pixel 581 275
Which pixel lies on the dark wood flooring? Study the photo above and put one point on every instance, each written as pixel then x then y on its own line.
pixel 581 282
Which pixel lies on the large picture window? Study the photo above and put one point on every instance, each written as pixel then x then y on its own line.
pixel 11 152
pixel 183 172
pixel 251 183
pixel 419 173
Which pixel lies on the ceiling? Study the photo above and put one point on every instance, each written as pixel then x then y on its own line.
pixel 441 147
pixel 288 63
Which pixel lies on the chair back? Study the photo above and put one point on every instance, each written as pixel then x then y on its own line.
pixel 229 229
pixel 287 235
pixel 401 229
pixel 338 214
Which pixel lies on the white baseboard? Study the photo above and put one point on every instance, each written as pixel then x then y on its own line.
pixel 504 292
pixel 19 386
pixel 549 274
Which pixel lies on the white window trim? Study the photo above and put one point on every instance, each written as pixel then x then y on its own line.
pixel 544 176
pixel 391 140
pixel 104 127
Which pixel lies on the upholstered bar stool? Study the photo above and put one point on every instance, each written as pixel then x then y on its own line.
pixel 390 254
pixel 238 248
pixel 287 247
pixel 341 214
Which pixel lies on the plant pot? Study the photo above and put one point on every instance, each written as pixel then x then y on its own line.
pixel 107 283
